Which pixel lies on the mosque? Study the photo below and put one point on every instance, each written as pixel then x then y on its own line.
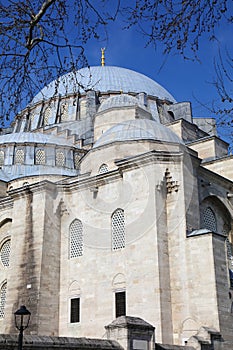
pixel 115 201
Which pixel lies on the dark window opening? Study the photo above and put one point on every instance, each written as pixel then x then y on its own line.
pixel 120 304
pixel 231 278
pixel 75 310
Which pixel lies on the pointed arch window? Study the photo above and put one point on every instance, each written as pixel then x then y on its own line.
pixel 103 169
pixel 60 158
pixel 3 300
pixel 40 156
pixel 5 253
pixel 76 160
pixel 19 156
pixel 64 111
pixel 2 156
pixel 47 115
pixel 209 219
pixel 118 229
pixel 76 239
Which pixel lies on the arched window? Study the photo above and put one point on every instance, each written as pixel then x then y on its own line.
pixel 103 169
pixel 76 239
pixel 3 300
pixel 5 253
pixel 118 229
pixel 229 248
pixel 76 160
pixel 47 115
pixel 2 156
pixel 40 157
pixel 60 158
pixel 64 112
pixel 209 219
pixel 19 156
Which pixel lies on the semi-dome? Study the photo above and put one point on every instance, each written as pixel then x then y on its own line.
pixel 119 101
pixel 36 138
pixel 138 129
pixel 103 79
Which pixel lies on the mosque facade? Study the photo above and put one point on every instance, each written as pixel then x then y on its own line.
pixel 115 201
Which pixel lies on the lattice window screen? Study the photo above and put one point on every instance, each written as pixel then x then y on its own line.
pixel 210 220
pixel 76 239
pixel 76 160
pixel 118 229
pixel 5 253
pixel 60 158
pixel 229 247
pixel 3 300
pixel 47 114
pixel 32 117
pixel 40 156
pixel 1 157
pixel 64 111
pixel 225 229
pixel 19 156
pixel 103 169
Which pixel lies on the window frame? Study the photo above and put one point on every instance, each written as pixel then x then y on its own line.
pixel 3 306
pixel 7 239
pixel 73 317
pixel 17 151
pixel 115 229
pixel 71 255
pixel 120 304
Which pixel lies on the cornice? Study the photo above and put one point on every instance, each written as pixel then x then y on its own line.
pixel 93 182
pixel 23 191
pixel 149 157
pixel 6 203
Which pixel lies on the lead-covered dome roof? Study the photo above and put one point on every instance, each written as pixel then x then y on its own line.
pixel 138 129
pixel 119 101
pixel 103 79
pixel 36 137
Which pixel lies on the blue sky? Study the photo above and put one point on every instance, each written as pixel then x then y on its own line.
pixel 185 80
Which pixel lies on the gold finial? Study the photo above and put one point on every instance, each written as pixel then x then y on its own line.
pixel 102 57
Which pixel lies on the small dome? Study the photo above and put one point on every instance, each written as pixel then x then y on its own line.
pixel 103 79
pixel 31 137
pixel 139 129
pixel 122 100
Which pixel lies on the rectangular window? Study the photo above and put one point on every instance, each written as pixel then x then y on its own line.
pixel 120 304
pixel 74 310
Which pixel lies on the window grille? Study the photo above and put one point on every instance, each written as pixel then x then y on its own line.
pixel 76 160
pixel 47 115
pixel 118 229
pixel 225 229
pixel 120 304
pixel 209 220
pixel 40 156
pixel 76 239
pixel 64 112
pixel 74 310
pixel 103 169
pixel 32 117
pixel 3 300
pixel 229 247
pixel 60 158
pixel 1 158
pixel 19 156
pixel 5 253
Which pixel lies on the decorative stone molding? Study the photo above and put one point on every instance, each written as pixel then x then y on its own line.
pixel 171 185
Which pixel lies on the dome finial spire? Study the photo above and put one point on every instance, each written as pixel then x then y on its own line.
pixel 102 57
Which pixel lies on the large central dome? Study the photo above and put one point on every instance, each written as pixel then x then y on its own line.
pixel 103 79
